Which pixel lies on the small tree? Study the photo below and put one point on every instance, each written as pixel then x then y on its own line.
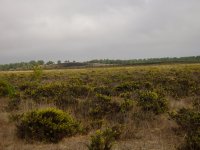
pixel 50 63
pixel 59 62
pixel 37 72
pixel 40 62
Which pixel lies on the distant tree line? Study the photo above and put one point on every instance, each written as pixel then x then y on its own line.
pixel 32 63
pixel 191 59
pixel 22 65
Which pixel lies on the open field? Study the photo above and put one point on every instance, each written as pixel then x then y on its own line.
pixel 139 101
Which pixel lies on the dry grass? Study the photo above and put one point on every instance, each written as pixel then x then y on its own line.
pixel 154 135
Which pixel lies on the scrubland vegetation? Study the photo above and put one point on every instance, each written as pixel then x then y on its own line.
pixel 119 108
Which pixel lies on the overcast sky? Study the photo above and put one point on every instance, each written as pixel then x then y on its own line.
pixel 93 29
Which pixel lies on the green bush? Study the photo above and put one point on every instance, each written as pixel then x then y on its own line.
pixel 65 101
pixel 47 125
pixel 14 102
pixel 148 85
pixel 56 89
pixel 104 140
pixel 102 105
pixel 6 89
pixel 189 122
pixel 105 90
pixel 37 72
pixel 127 105
pixel 78 91
pixel 49 90
pixel 96 123
pixel 196 103
pixel 23 86
pixel 127 86
pixel 151 101
pixel 126 95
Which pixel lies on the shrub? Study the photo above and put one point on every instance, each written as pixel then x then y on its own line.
pixel 127 86
pixel 104 140
pixel 78 90
pixel 65 101
pixel 6 89
pixel 47 125
pixel 103 105
pixel 96 123
pixel 23 86
pixel 148 85
pixel 126 95
pixel 151 101
pixel 28 88
pixel 56 89
pixel 196 103
pixel 49 90
pixel 189 122
pixel 37 73
pixel 127 105
pixel 105 90
pixel 14 102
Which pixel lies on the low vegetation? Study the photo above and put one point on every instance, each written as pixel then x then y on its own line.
pixel 156 106
pixel 47 125
pixel 104 140
pixel 189 123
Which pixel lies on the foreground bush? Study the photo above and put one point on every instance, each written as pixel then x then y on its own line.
pixel 151 101
pixel 47 125
pixel 104 140
pixel 189 122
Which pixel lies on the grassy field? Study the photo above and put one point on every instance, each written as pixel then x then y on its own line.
pixel 143 104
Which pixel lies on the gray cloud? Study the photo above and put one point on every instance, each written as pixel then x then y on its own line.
pixel 89 29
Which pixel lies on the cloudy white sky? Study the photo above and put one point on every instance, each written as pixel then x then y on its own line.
pixel 93 29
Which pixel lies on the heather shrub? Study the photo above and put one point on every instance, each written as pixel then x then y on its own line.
pixel 46 125
pixel 104 140
pixel 78 90
pixel 37 73
pixel 196 103
pixel 96 123
pixel 6 89
pixel 127 105
pixel 56 89
pixel 14 102
pixel 126 95
pixel 148 85
pixel 152 101
pixel 105 90
pixel 49 90
pixel 127 86
pixel 102 105
pixel 189 122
